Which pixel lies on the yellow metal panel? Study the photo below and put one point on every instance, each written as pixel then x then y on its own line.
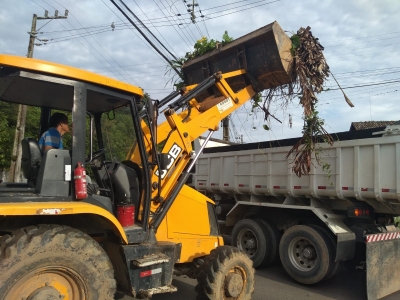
pixel 188 215
pixel 66 71
pixel 59 208
pixel 187 223
pixel 196 247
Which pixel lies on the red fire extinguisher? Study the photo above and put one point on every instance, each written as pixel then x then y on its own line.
pixel 80 182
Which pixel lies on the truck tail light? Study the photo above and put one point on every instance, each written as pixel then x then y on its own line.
pixel 359 212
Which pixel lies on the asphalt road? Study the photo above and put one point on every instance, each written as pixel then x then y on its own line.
pixel 273 283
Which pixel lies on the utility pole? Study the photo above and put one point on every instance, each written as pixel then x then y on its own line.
pixel 192 12
pixel 15 167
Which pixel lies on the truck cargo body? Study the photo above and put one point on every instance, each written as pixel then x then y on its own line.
pixel 349 200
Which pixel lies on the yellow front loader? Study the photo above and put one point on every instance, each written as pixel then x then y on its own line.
pixel 53 245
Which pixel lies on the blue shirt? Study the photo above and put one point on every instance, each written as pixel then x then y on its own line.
pixel 51 138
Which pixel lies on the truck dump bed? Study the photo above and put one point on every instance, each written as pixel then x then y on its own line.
pixel 360 168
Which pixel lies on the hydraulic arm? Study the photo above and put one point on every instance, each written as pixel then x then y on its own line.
pixel 181 129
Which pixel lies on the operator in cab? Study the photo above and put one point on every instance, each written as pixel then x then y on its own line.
pixel 52 138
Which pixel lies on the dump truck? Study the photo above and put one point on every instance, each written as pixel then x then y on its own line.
pixel 343 210
pixel 133 222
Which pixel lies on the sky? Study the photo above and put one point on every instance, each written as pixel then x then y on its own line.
pixel 360 37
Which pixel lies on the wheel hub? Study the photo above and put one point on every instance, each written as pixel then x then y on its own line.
pixel 251 243
pixel 46 292
pixel 50 283
pixel 302 254
pixel 233 285
pixel 247 241
pixel 309 252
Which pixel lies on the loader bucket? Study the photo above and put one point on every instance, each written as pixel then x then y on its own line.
pixel 263 53
pixel 383 264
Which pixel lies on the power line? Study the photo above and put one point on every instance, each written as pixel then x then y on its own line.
pixel 131 29
pixel 155 27
pixel 102 48
pixel 358 98
pixel 162 10
pixel 227 4
pixel 366 54
pixel 205 26
pixel 364 85
pixel 353 49
pixel 182 25
pixel 88 43
pixel 191 8
pixel 366 37
pixel 148 30
pixel 145 37
pixel 226 14
pixel 38 4
pixel 368 70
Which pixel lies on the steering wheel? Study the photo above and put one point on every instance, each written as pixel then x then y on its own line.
pixel 95 155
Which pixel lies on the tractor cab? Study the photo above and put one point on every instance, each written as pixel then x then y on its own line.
pixel 103 116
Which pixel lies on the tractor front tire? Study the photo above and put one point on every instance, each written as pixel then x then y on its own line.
pixel 54 262
pixel 227 273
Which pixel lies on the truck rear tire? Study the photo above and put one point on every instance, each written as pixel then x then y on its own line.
pixel 255 238
pixel 276 236
pixel 51 261
pixel 331 243
pixel 227 273
pixel 305 254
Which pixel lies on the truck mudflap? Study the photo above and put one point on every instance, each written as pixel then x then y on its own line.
pixel 383 264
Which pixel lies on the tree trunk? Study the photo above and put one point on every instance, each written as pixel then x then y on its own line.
pixel 15 166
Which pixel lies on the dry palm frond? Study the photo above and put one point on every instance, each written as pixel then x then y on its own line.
pixel 310 70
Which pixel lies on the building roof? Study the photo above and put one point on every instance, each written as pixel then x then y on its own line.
pixel 370 124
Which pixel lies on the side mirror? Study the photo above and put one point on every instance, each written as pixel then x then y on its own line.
pixel 164 161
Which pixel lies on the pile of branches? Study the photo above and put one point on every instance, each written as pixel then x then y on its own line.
pixel 310 72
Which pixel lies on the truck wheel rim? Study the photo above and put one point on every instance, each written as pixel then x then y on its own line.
pixel 247 242
pixel 302 254
pixel 49 283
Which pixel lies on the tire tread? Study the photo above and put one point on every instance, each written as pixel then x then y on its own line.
pixel 30 240
pixel 213 268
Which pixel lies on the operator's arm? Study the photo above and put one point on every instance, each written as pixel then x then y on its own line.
pixel 47 148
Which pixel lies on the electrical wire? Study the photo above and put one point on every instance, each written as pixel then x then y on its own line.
pixel 205 26
pixel 366 37
pixel 72 26
pixel 44 25
pixel 176 19
pixel 221 14
pixel 184 33
pixel 366 54
pixel 38 4
pixel 355 49
pixel 121 74
pixel 144 36
pixel 156 28
pixel 147 29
